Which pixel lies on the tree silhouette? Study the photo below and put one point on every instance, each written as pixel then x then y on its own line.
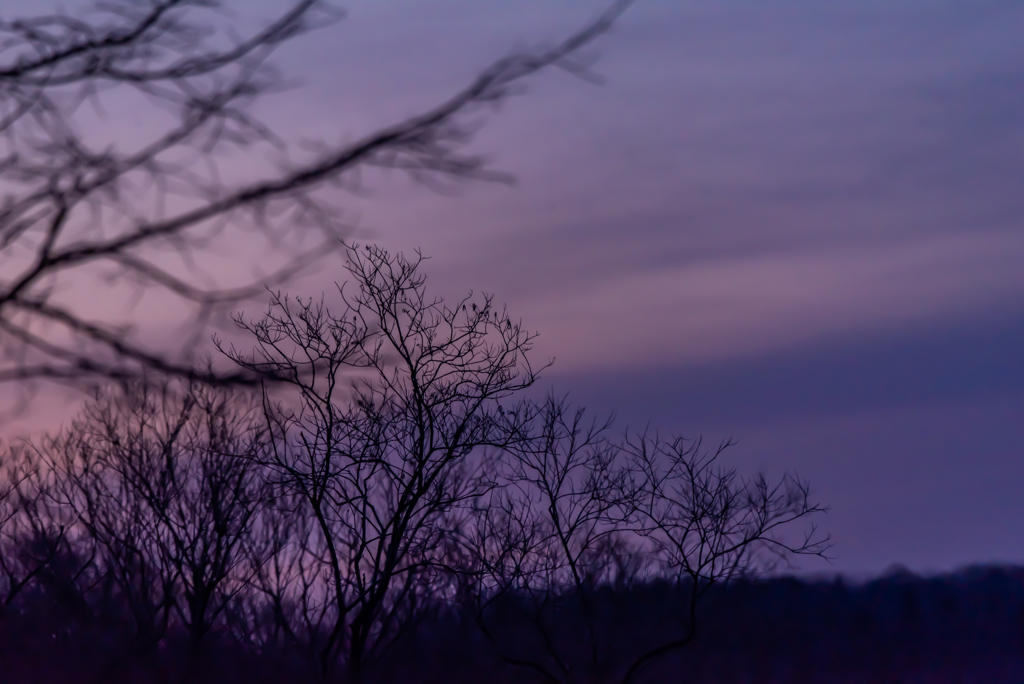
pixel 31 535
pixel 705 524
pixel 163 481
pixel 579 513
pixel 394 397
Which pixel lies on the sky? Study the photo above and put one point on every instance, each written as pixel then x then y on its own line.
pixel 797 224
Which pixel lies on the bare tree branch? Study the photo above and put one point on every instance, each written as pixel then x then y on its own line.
pixel 77 211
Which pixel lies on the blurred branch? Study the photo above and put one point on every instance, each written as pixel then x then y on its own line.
pixel 151 216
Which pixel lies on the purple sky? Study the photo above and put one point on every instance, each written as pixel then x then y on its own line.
pixel 797 223
pixel 800 224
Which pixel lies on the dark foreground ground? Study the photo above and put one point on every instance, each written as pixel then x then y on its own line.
pixel 964 627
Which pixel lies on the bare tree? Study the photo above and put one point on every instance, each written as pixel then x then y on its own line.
pixel 395 398
pixel 706 525
pixel 30 537
pixel 164 481
pixel 124 217
pixel 579 514
pixel 545 543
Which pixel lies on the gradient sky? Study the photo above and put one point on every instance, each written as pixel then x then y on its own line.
pixel 796 223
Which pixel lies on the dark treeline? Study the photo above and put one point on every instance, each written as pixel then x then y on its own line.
pixel 390 506
pixel 897 629
pixel 963 627
pixel 900 628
